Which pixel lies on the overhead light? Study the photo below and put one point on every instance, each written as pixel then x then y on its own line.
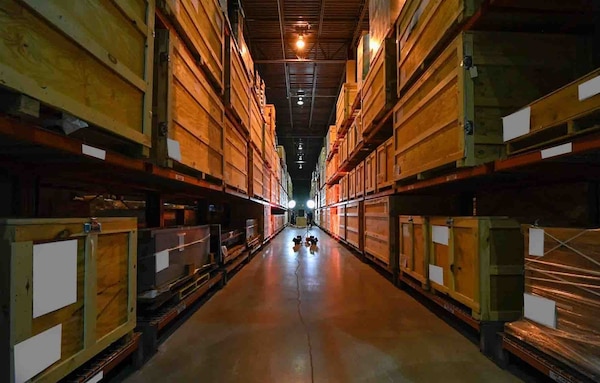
pixel 300 146
pixel 300 101
pixel 300 166
pixel 310 204
pixel 292 204
pixel 300 43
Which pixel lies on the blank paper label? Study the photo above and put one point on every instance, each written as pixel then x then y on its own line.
pixel 436 274
pixel 93 152
pixel 440 235
pixel 536 242
pixel 35 354
pixel 173 149
pixel 540 310
pixel 589 88
pixel 54 276
pixel 557 150
pixel 98 377
pixel 517 124
pixel 162 260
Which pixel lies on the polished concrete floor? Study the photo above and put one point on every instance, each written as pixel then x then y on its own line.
pixel 293 316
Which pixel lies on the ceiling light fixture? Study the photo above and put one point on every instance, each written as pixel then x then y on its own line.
pixel 300 166
pixel 300 42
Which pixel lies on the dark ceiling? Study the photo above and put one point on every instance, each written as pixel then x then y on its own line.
pixel 271 30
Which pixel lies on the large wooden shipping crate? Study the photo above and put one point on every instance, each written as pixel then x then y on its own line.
pixel 341 211
pixel 354 224
pixel 344 188
pixel 88 60
pixel 236 158
pixel 451 117
pixel 371 173
pixel 414 248
pixel 380 228
pixel 561 277
pixel 478 261
pixel 257 181
pixel 267 182
pixel 332 167
pixel 201 24
pixel 360 179
pixel 385 165
pixel 352 184
pixel 237 84
pixel 423 28
pixel 363 59
pixel 68 288
pixel 569 111
pixel 382 16
pixel 188 113
pixel 257 126
pixel 330 139
pixel 343 150
pixel 343 109
pixel 379 93
pixel 185 248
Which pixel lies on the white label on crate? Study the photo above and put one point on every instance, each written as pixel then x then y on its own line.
pixel 516 124
pixel 589 88
pixel 173 149
pixel 436 274
pixel 181 238
pixel 37 353
pixel 540 310
pixel 98 377
pixel 162 260
pixel 557 150
pixel 536 242
pixel 54 276
pixel 440 235
pixel 93 152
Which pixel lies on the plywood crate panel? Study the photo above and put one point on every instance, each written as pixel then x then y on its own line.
pixel 414 247
pixel 257 126
pixel 201 24
pixel 236 158
pixel 363 59
pixel 423 28
pixel 344 188
pixel 478 261
pixel 385 165
pixel 189 107
pixel 382 16
pixel 88 60
pixel 330 139
pixel 451 117
pixel 343 150
pixel 556 117
pixel 332 166
pixel 334 221
pixel 344 104
pixel 379 93
pixel 354 224
pixel 270 118
pixel 341 210
pixel 380 229
pixel 360 179
pixel 352 184
pixel 370 173
pixel 563 268
pixel 103 268
pixel 257 167
pixel 267 182
pixel 237 84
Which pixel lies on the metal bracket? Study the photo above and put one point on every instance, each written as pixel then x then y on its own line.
pixel 93 226
pixel 165 57
pixel 450 222
pixel 467 62
pixel 163 128
pixel 469 127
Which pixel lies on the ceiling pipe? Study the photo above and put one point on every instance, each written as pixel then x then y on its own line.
pixel 314 84
pixel 287 74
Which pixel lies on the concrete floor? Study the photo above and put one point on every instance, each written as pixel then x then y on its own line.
pixel 324 317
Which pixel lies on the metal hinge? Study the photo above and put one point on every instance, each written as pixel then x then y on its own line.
pixel 163 128
pixel 467 62
pixel 469 127
pixel 450 222
pixel 93 226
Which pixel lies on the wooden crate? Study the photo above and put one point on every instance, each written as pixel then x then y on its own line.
pixel 332 167
pixel 267 182
pixel 257 168
pixel 380 228
pixel 275 194
pixel 352 184
pixel 562 269
pixel 370 173
pixel 341 211
pixel 330 139
pixel 248 61
pixel 344 188
pixel 236 158
pixel 451 116
pixel 237 84
pixel 423 29
pixel 414 247
pixel 270 118
pixel 189 114
pixel 90 61
pixel 343 151
pixel 257 126
pixel 478 261
pixel 334 221
pixel 201 25
pixel 382 16
pixel 354 224
pixel 562 114
pixel 385 165
pixel 360 179
pixel 343 109
pixel 102 264
pixel 363 59
pixel 379 92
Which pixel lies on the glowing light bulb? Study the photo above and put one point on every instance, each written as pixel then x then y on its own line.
pixel 300 43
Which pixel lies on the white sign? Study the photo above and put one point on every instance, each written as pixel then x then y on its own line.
pixel 517 124
pixel 436 274
pixel 589 88
pixel 536 242
pixel 173 149
pixel 557 150
pixel 162 260
pixel 93 152
pixel 540 310
pixel 441 235
pixel 37 353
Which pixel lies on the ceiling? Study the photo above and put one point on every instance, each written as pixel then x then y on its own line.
pixel 271 30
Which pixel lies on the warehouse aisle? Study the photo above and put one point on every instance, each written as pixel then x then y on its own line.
pixel 287 308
